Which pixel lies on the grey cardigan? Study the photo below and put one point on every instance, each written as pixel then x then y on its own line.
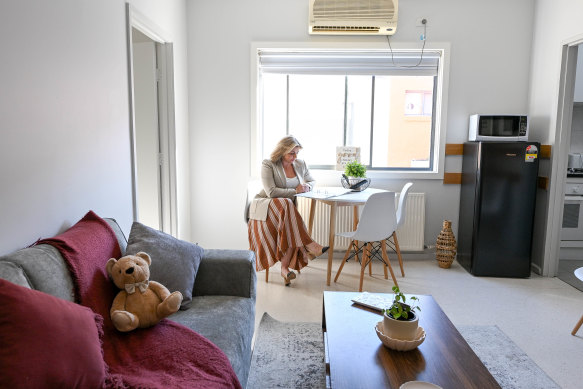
pixel 274 182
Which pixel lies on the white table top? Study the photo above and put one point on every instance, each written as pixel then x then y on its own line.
pixel 338 194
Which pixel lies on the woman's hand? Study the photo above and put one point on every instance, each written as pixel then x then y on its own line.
pixel 303 188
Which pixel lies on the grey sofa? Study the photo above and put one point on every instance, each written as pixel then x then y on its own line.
pixel 223 304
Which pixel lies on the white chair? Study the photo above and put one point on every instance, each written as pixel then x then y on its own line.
pixel 253 187
pixel 579 274
pixel 392 240
pixel 377 221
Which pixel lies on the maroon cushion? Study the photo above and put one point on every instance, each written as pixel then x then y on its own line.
pixel 47 342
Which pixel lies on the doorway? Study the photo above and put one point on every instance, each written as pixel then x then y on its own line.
pixel 571 235
pixel 152 124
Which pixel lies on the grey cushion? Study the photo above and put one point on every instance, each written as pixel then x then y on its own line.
pixel 174 262
pixel 45 269
pixel 13 273
pixel 228 322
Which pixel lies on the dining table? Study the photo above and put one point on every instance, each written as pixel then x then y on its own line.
pixel 335 197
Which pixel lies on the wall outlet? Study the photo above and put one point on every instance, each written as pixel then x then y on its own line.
pixel 420 22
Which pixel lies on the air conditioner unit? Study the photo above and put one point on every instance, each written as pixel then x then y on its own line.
pixel 353 17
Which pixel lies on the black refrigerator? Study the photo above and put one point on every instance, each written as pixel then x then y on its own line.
pixel 497 203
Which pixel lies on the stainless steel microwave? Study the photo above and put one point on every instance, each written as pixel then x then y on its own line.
pixel 498 128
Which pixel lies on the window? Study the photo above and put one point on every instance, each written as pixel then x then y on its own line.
pixel 327 98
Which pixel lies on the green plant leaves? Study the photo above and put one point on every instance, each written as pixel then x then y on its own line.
pixel 400 310
pixel 355 169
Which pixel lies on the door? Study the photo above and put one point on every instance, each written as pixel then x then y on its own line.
pixel 152 127
pixel 147 131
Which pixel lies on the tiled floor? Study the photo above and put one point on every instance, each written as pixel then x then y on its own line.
pixel 566 269
pixel 537 313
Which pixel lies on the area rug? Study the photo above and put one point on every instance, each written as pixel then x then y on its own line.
pixel 287 355
pixel 291 355
pixel 507 363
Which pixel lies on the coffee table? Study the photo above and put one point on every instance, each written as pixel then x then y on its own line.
pixel 356 358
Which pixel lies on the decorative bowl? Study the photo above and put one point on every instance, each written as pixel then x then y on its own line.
pixel 400 345
pixel 355 181
pixel 419 385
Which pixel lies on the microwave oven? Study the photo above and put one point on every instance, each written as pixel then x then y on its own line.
pixel 498 128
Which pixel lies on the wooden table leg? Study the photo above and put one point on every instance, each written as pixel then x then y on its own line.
pixel 311 217
pixel 355 224
pixel 331 241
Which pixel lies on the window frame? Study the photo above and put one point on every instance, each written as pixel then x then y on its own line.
pixel 439 116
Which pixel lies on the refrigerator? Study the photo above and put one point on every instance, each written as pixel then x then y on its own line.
pixel 497 204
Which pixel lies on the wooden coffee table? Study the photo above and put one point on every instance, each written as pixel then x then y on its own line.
pixel 356 358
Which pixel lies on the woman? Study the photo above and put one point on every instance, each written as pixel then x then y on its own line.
pixel 276 229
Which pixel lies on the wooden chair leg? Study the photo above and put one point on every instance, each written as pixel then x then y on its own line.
pixel 386 258
pixel 579 323
pixel 365 257
pixel 398 250
pixel 266 274
pixel 343 261
pixel 370 268
pixel 383 247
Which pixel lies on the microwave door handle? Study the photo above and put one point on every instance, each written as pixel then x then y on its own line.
pixel 573 198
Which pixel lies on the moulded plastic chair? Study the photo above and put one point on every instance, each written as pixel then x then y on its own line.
pixel 377 221
pixel 579 274
pixel 392 240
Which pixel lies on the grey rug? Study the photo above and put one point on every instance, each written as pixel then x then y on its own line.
pixel 287 355
pixel 291 355
pixel 507 363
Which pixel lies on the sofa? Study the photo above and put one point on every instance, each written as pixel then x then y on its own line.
pixel 222 307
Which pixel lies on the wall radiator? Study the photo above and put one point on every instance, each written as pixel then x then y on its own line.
pixel 411 234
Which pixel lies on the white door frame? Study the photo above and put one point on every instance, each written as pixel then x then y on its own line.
pixel 560 154
pixel 166 109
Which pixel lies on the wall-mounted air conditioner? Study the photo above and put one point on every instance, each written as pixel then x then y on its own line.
pixel 353 17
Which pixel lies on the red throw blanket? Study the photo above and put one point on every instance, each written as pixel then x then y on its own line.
pixel 167 355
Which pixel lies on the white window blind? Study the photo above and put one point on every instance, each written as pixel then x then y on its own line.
pixel 349 62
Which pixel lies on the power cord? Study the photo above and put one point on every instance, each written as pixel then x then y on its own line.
pixel 423 38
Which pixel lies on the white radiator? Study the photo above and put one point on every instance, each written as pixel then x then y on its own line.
pixel 411 234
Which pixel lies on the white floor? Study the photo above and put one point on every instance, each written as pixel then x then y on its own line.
pixel 538 313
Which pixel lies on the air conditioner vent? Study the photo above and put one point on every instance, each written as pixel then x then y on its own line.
pixel 353 17
pixel 347 28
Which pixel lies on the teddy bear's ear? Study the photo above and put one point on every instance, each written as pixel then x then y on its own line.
pixel 145 257
pixel 109 266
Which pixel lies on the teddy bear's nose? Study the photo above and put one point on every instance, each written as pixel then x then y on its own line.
pixel 130 270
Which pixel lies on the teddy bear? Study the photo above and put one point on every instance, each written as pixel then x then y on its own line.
pixel 141 303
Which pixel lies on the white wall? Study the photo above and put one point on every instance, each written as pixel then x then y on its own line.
pixel 489 64
pixel 64 116
pixel 555 22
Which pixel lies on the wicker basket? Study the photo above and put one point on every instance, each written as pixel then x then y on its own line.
pixel 446 246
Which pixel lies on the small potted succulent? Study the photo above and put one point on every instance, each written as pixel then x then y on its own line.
pixel 354 176
pixel 400 320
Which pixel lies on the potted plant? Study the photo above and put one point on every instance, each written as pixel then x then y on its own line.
pixel 355 170
pixel 400 320
pixel 355 176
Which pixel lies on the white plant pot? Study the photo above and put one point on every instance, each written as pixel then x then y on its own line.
pixel 400 329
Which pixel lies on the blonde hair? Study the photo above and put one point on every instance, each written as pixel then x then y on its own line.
pixel 284 146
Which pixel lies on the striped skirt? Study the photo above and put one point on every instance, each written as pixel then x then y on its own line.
pixel 284 228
